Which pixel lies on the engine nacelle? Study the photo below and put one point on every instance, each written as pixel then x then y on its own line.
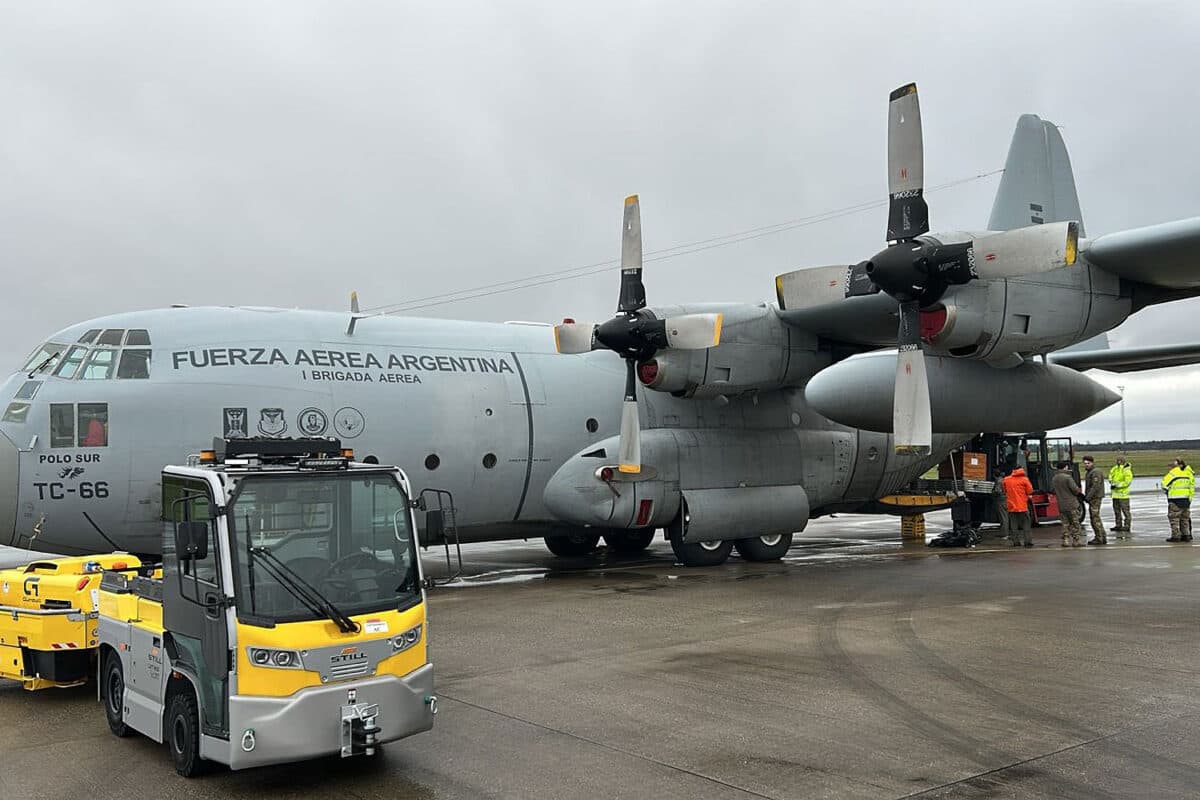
pixel 965 396
pixel 758 351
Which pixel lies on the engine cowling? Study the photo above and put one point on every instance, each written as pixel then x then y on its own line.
pixel 758 352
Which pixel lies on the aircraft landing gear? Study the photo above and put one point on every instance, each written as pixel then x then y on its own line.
pixel 764 548
pixel 629 543
pixel 696 554
pixel 573 545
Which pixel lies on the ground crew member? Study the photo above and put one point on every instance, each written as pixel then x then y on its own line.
pixel 1001 502
pixel 1179 484
pixel 1069 511
pixel 1120 478
pixel 1017 491
pixel 1093 492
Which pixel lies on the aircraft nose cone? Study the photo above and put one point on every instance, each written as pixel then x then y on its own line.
pixel 8 490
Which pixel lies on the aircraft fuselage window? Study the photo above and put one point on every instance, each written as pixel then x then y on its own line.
pixel 93 425
pixel 99 366
pixel 134 364
pixel 112 336
pixel 138 336
pixel 44 356
pixel 27 390
pixel 90 336
pixel 69 364
pixel 16 412
pixel 62 424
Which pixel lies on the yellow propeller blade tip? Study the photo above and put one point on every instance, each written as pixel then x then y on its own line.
pixel 557 346
pixel 631 199
pixel 630 469
pixel 717 329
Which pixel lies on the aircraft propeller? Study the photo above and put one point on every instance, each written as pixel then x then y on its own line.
pixel 636 334
pixel 916 270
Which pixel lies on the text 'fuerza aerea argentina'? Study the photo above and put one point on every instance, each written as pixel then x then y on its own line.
pixel 337 362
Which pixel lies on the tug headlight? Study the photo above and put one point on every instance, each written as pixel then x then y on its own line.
pixel 405 640
pixel 267 657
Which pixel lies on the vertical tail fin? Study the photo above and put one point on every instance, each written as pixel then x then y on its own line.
pixel 1038 185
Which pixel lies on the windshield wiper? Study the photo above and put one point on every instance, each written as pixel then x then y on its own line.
pixel 325 606
pixel 44 364
pixel 286 583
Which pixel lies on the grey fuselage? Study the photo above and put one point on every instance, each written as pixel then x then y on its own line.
pixel 488 412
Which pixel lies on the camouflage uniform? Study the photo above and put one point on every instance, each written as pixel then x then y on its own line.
pixel 1093 491
pixel 1066 490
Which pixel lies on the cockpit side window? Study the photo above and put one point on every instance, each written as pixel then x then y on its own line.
pixel 62 424
pixel 138 336
pixel 112 336
pixel 90 336
pixel 99 366
pixel 69 364
pixel 93 425
pixel 134 364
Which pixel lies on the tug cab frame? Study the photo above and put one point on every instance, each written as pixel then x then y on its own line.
pixel 287 620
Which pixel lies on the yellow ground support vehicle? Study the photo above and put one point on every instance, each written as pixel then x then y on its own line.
pixel 287 620
pixel 48 611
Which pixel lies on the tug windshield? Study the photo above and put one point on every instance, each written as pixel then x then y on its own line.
pixel 347 537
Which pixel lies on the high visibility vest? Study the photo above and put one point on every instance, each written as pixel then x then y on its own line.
pixel 1180 482
pixel 1120 477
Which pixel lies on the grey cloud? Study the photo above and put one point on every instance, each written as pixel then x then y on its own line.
pixel 286 153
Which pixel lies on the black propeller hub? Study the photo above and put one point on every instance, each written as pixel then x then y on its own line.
pixel 920 270
pixel 633 336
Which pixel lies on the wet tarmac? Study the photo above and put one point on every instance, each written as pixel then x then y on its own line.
pixel 859 666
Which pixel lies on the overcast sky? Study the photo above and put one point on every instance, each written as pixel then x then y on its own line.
pixel 286 153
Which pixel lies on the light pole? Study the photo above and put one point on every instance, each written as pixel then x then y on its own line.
pixel 1121 389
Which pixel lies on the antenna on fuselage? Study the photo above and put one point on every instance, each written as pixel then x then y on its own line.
pixel 355 314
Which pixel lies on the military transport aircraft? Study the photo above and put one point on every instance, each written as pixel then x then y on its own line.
pixel 737 424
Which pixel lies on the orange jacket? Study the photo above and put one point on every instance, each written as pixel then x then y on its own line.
pixel 1017 490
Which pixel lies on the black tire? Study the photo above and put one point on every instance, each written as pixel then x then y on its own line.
pixel 764 548
pixel 629 543
pixel 183 733
pixel 112 686
pixel 573 545
pixel 695 554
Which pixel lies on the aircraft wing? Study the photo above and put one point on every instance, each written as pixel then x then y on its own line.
pixel 1129 359
pixel 1166 255
pixel 868 320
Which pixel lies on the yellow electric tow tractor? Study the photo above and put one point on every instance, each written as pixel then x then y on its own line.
pixel 287 620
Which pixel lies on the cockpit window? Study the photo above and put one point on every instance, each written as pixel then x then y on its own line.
pixel 99 366
pixel 138 336
pixel 90 336
pixel 134 364
pixel 43 357
pixel 27 390
pixel 112 336
pixel 71 361
pixel 62 424
pixel 93 425
pixel 16 412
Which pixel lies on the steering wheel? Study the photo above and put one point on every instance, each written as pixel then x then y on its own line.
pixel 336 579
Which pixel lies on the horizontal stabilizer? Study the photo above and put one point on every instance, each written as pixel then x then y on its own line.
pixel 1165 255
pixel 1130 359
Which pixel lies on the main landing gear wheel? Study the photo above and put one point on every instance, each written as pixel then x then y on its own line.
pixel 764 548
pixel 695 554
pixel 183 733
pixel 628 543
pixel 573 545
pixel 113 686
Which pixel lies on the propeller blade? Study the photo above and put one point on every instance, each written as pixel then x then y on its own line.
pixel 694 331
pixel 815 286
pixel 629 450
pixel 1026 251
pixel 908 216
pixel 633 293
pixel 575 337
pixel 912 424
